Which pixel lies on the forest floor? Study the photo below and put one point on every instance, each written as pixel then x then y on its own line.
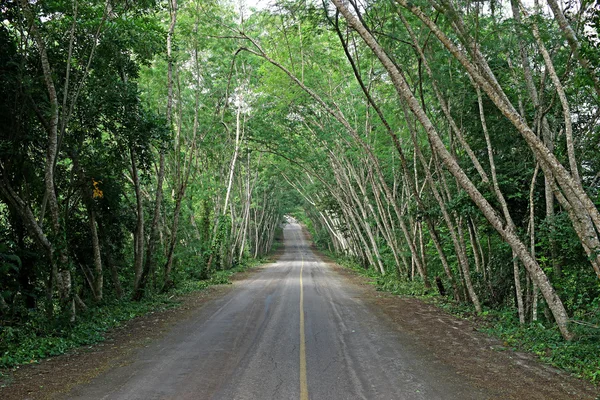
pixel 483 364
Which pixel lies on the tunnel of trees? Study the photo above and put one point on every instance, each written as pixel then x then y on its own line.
pixel 453 145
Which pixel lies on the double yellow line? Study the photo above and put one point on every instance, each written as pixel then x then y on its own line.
pixel 303 382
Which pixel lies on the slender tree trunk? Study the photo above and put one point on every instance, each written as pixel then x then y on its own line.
pixel 112 267
pixel 153 234
pixel 98 274
pixel 340 118
pixel 542 125
pixel 564 104
pixel 586 214
pixel 173 242
pixel 404 92
pixel 534 294
pixel 138 237
pixel 466 270
pixel 574 43
pixel 60 261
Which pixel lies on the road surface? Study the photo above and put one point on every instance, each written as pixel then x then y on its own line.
pixel 295 330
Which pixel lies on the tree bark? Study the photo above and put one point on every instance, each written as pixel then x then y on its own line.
pixel 574 43
pixel 138 262
pixel 484 77
pixel 153 235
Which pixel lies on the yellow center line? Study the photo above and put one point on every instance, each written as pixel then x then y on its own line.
pixel 303 382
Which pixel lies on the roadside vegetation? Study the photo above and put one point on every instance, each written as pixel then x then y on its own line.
pixel 39 338
pixel 446 147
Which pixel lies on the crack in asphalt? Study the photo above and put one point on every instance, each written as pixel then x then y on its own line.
pixel 274 395
pixel 330 363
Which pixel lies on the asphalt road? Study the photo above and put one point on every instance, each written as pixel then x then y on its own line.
pixel 295 330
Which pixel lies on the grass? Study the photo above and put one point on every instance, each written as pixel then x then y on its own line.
pixel 389 283
pixel 39 338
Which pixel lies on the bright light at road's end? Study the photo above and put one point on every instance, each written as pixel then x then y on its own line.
pixel 258 4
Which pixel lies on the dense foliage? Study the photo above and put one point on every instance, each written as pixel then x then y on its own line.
pixel 123 171
pixel 448 146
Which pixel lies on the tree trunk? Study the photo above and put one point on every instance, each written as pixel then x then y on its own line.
pixel 585 210
pixel 61 260
pixel 98 274
pixel 138 237
pixel 574 43
pixel 404 92
pixel 153 235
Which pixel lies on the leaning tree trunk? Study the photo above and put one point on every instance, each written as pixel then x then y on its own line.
pixel 574 42
pixel 335 113
pixel 60 261
pixel 586 218
pixel 463 180
pixel 543 126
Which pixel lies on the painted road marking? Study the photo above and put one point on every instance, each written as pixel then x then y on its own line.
pixel 303 382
